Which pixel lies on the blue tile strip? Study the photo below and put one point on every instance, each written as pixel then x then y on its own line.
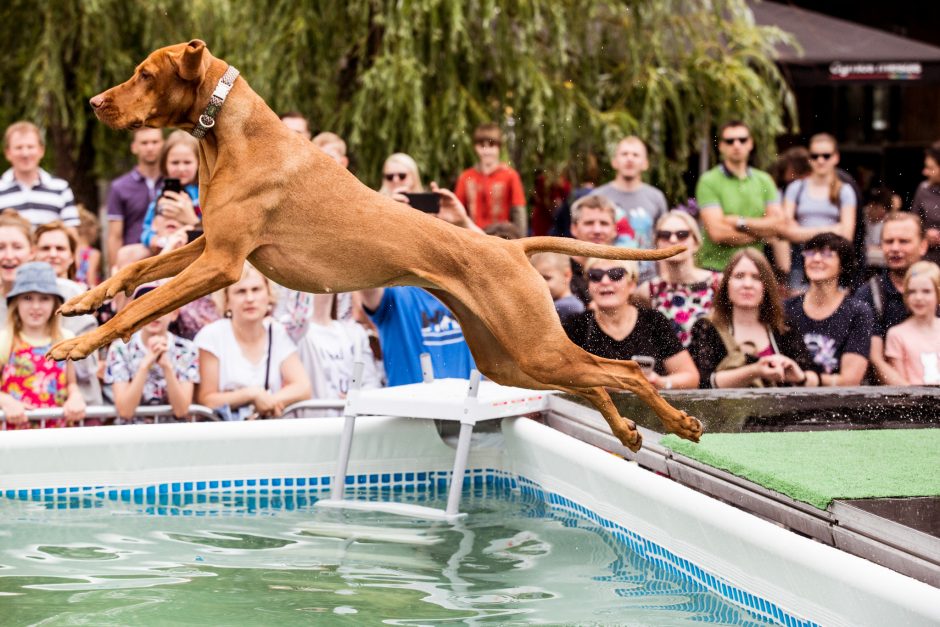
pixel 169 497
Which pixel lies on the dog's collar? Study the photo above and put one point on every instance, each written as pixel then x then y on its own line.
pixel 207 119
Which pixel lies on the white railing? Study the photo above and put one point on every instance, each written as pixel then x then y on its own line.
pixel 195 413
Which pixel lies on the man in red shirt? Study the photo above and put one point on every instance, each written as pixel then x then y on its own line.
pixel 490 190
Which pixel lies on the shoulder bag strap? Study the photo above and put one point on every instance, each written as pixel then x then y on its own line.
pixel 267 367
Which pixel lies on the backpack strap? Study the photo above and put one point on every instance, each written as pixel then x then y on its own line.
pixel 877 297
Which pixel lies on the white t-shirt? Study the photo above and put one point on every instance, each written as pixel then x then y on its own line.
pixel 235 371
pixel 332 351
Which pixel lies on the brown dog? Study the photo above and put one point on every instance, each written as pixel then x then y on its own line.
pixel 271 197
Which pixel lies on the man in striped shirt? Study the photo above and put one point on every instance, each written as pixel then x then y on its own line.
pixel 34 193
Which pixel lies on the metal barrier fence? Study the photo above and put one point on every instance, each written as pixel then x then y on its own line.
pixel 195 413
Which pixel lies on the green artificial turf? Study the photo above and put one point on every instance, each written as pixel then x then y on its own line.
pixel 818 466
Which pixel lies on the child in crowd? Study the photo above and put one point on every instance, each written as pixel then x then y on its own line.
pixel 333 145
pixel 154 368
pixel 913 347
pixel 179 160
pixel 88 259
pixel 28 379
pixel 555 268
pixel 329 349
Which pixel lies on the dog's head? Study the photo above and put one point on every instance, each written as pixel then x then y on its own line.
pixel 164 90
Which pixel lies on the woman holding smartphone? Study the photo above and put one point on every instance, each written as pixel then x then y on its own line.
pixel 616 329
pixel 178 200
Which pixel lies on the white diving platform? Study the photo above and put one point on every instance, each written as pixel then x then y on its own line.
pixel 459 400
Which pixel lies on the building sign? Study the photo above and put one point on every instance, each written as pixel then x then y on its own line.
pixel 893 71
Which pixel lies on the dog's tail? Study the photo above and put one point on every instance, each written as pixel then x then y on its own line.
pixel 577 248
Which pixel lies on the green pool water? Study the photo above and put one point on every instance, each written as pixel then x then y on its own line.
pixel 251 559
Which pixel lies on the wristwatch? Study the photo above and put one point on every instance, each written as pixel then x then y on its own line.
pixel 741 225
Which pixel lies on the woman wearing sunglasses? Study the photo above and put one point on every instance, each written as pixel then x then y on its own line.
pixel 744 341
pixel 616 329
pixel 400 176
pixel 837 329
pixel 682 292
pixel 819 203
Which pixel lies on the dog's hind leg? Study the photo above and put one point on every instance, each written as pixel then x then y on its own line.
pixel 143 271
pixel 496 363
pixel 208 274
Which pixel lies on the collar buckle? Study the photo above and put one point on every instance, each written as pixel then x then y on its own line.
pixel 207 119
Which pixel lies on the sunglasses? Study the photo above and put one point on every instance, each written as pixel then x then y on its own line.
pixel 401 176
pixel 596 275
pixel 735 140
pixel 825 253
pixel 489 143
pixel 825 156
pixel 666 236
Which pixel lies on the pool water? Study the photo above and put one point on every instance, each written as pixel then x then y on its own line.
pixel 236 558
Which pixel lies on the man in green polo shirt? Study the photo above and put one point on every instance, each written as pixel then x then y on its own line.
pixel 739 205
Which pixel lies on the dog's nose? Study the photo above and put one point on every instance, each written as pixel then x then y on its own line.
pixel 96 101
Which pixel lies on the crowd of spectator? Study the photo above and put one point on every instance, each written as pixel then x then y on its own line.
pixel 789 278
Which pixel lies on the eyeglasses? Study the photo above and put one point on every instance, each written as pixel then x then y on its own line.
pixel 825 253
pixel 825 156
pixel 666 236
pixel 391 176
pixel 596 275
pixel 488 143
pixel 733 140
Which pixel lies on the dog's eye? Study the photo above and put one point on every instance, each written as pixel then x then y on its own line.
pixel 145 75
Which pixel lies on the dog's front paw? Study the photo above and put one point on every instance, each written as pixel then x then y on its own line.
pixel 686 426
pixel 74 349
pixel 628 435
pixel 85 303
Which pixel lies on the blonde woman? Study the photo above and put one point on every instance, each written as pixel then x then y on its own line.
pixel 248 366
pixel 913 347
pixel 819 203
pixel 616 329
pixel 682 292
pixel 400 175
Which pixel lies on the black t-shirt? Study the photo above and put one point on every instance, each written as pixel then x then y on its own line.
pixel 893 310
pixel 847 330
pixel 652 336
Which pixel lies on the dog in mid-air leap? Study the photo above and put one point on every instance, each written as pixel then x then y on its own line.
pixel 273 198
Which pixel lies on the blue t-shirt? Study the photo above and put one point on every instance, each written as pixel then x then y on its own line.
pixel 411 322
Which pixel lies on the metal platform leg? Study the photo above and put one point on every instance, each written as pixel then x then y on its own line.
pixel 427 369
pixel 345 443
pixel 463 448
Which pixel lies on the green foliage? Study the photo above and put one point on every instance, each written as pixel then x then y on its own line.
pixel 561 77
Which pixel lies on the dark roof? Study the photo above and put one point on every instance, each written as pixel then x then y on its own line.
pixel 825 39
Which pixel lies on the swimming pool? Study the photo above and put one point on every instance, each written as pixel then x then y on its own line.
pixel 736 561
pixel 265 555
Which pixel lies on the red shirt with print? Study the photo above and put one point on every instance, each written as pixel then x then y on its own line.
pixel 489 197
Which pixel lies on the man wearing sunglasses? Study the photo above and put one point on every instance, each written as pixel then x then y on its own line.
pixel 740 205
pixel 639 205
pixel 490 190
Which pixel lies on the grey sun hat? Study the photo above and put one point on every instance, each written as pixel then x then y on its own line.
pixel 35 276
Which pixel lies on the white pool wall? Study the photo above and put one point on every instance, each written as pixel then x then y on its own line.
pixel 138 455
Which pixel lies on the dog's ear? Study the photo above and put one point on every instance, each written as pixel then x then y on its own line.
pixel 191 61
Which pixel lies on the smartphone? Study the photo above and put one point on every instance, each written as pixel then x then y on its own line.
pixel 645 363
pixel 427 202
pixel 192 235
pixel 171 185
